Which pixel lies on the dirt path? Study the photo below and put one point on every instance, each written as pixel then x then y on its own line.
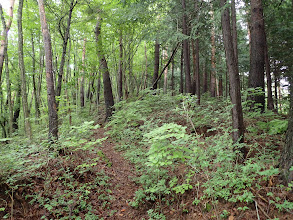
pixel 121 175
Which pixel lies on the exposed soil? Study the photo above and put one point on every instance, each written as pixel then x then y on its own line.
pixel 123 187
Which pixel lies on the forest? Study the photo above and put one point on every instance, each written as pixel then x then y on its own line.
pixel 146 109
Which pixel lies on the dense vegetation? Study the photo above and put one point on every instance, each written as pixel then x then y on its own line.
pixel 146 109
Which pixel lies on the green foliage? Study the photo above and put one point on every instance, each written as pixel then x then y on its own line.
pixel 160 144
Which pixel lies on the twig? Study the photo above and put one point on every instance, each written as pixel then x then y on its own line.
pixel 256 210
pixel 261 209
pixel 188 118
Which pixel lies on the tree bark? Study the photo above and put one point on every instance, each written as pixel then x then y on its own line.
pixel 237 115
pixel 37 105
pixel 108 95
pixel 213 60
pixel 256 74
pixel 181 71
pixel 165 57
pixel 22 71
pixel 4 35
pixel 157 64
pixel 82 75
pixel 186 51
pixel 52 107
pixel 286 160
pixel 65 38
pixel 205 79
pixel 268 76
pixel 120 71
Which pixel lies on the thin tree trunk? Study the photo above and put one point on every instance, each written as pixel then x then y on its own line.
pixel 16 108
pixel 213 60
pixel 82 75
pixel 4 34
pixel 146 67
pixel 99 88
pixel 172 78
pixel 37 105
pixel 181 71
pixel 108 95
pixel 22 71
pixel 65 42
pixel 120 71
pixel 157 64
pixel 196 76
pixel 52 107
pixel 186 51
pixel 237 115
pixel 165 57
pixel 268 76
pixel 256 73
pixel 286 160
pixel 9 100
pixel 205 79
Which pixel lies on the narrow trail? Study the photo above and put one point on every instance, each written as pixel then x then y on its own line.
pixel 121 174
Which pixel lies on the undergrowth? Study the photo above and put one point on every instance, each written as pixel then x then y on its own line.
pixel 183 150
pixel 63 180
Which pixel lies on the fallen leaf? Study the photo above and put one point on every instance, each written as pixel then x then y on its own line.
pixel 123 210
pixel 231 217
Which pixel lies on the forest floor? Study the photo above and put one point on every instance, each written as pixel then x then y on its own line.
pixel 103 172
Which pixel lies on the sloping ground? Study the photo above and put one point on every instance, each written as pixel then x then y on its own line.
pixel 121 174
pixel 109 199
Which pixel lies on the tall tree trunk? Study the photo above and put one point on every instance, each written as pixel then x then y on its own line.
pixel 9 100
pixel 52 107
pixel 234 31
pixel 237 115
pixel 165 57
pixel 82 75
pixel 268 76
pixel 256 73
pixel 186 51
pixel 276 82
pixel 181 71
pixel 120 71
pixel 146 67
pixel 22 71
pixel 287 153
pixel 205 78
pixel 196 79
pixel 157 64
pixel 65 38
pixel 16 108
pixel 172 78
pixel 108 95
pixel 4 34
pixel 213 60
pixel 99 88
pixel 37 105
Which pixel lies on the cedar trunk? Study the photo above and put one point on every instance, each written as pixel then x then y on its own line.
pixel 287 152
pixel 52 107
pixel 237 115
pixel 186 51
pixel 256 74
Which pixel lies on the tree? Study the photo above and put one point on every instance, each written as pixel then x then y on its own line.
pixel 52 106
pixel 256 73
pixel 22 71
pixel 108 95
pixel 65 37
pixel 156 65
pixel 237 115
pixel 186 50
